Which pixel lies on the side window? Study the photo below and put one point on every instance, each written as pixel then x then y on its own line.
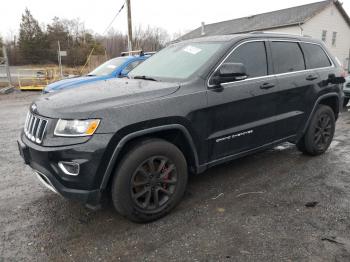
pixel 315 57
pixel 287 57
pixel 324 35
pixel 131 66
pixel 253 56
pixel 334 38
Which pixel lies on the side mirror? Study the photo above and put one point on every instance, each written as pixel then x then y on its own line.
pixel 229 72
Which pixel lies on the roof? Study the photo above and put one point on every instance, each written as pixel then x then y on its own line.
pixel 275 19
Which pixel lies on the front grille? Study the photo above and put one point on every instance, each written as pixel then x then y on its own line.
pixel 34 128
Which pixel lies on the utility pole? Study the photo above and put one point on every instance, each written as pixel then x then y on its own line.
pixel 130 44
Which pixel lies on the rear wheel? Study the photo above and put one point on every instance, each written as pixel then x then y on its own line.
pixel 320 132
pixel 150 181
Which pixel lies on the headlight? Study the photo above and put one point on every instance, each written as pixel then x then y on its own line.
pixel 76 127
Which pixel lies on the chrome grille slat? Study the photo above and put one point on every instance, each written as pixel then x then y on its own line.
pixel 30 124
pixel 34 128
pixel 43 131
pixel 26 123
pixel 37 131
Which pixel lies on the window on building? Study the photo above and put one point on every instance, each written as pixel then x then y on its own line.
pixel 324 35
pixel 287 57
pixel 315 57
pixel 334 38
pixel 253 56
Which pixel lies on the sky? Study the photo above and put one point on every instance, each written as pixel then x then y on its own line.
pixel 176 17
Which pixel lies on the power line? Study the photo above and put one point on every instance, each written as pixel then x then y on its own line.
pixel 110 24
pixel 93 48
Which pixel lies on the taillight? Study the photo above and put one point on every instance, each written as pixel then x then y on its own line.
pixel 343 73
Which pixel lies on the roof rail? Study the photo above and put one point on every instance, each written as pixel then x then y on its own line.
pixel 277 33
pixel 150 53
pixel 256 32
pixel 136 52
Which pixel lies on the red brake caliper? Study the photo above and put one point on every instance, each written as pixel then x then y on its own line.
pixel 166 177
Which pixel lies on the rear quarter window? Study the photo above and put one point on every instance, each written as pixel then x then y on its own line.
pixel 315 56
pixel 287 57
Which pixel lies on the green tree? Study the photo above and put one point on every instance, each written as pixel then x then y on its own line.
pixel 32 42
pixel 73 38
pixel 91 43
pixel 57 31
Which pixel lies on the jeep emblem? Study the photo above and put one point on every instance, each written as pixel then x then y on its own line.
pixel 34 107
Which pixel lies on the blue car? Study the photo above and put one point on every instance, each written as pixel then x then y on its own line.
pixel 116 67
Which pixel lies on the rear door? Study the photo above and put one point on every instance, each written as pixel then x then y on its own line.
pixel 242 113
pixel 317 59
pixel 296 86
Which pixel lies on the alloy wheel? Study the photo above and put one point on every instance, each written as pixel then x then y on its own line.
pixel 323 131
pixel 154 183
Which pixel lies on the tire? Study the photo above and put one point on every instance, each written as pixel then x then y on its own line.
pixel 319 133
pixel 150 181
pixel 345 102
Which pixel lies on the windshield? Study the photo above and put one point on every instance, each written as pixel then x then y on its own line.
pixel 178 61
pixel 108 67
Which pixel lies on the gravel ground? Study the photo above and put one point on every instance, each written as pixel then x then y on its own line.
pixel 252 209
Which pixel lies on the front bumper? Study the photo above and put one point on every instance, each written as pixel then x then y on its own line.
pixel 84 187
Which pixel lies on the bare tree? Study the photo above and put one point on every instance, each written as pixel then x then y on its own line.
pixel 151 38
pixel 148 39
pixel 114 43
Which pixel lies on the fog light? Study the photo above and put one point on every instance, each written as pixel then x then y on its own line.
pixel 69 168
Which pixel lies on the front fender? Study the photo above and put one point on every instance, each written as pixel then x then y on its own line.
pixel 123 141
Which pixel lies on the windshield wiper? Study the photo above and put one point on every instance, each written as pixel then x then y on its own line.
pixel 145 78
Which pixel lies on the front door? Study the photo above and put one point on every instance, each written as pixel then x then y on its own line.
pixel 242 113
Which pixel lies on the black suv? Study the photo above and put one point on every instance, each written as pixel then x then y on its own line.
pixel 191 106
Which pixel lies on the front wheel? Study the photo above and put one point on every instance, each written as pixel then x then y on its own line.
pixel 150 180
pixel 345 102
pixel 320 132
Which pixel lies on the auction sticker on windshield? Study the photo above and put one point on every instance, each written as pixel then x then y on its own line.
pixel 192 49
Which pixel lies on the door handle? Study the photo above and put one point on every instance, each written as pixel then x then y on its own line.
pixel 311 77
pixel 267 85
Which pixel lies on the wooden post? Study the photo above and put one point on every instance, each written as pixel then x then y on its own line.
pixel 130 43
pixel 7 65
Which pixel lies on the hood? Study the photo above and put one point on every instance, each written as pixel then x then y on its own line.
pixel 81 102
pixel 72 82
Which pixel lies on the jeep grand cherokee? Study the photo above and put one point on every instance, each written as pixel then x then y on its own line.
pixel 193 105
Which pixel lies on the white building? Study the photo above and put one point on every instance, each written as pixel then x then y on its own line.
pixel 325 20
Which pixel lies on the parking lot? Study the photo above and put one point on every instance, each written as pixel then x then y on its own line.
pixel 278 205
